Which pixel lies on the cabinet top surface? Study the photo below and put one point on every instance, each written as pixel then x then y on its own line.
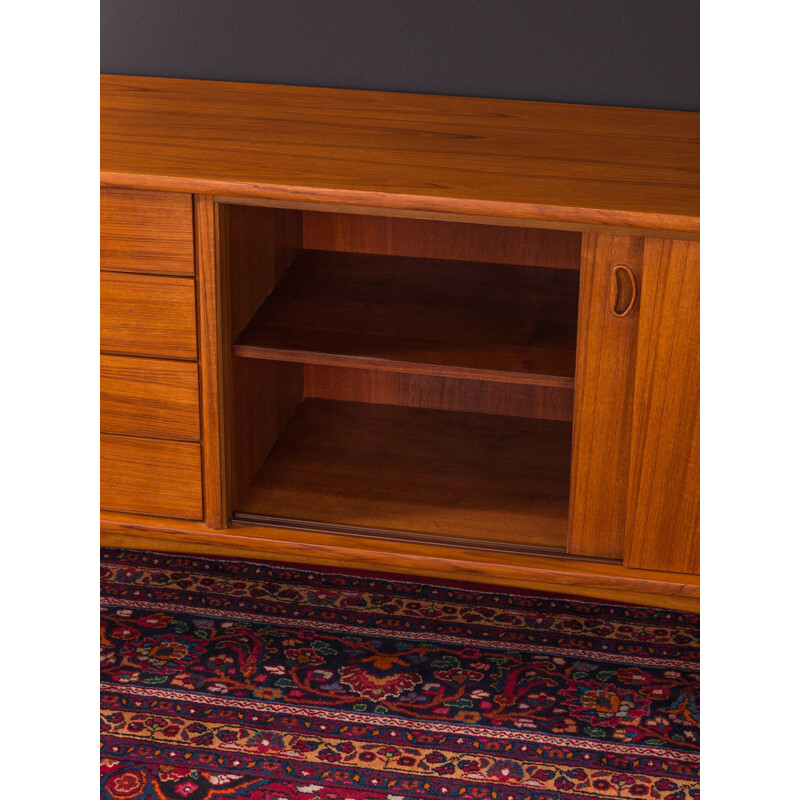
pixel 563 165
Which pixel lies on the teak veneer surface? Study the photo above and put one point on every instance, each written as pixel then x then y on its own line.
pixel 434 238
pixel 555 573
pixel 151 476
pixel 561 164
pixel 213 348
pixel 147 315
pixel 366 451
pixel 663 516
pixel 433 391
pixel 451 474
pixel 149 397
pixel 146 232
pixel 461 319
pixel 604 382
pixel 265 395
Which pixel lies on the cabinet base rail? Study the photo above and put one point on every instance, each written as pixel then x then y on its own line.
pixel 558 574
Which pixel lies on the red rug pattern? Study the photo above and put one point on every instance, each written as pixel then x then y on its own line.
pixel 226 678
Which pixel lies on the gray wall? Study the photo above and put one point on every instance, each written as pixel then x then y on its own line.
pixel 612 52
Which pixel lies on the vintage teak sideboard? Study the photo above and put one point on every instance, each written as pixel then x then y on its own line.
pixel 450 337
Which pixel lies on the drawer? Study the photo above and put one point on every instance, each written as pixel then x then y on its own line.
pixel 147 315
pixel 146 232
pixel 149 397
pixel 151 476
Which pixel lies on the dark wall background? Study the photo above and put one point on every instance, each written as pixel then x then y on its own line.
pixel 611 52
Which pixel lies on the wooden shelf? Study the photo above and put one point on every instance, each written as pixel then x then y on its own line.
pixel 475 479
pixel 427 316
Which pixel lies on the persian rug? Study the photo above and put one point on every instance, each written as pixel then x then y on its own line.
pixel 223 678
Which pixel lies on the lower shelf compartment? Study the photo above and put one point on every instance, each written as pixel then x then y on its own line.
pixel 426 474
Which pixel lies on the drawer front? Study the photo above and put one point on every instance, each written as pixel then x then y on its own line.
pixel 149 397
pixel 147 315
pixel 146 232
pixel 151 476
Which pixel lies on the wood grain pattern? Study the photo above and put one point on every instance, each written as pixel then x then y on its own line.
pixel 403 173
pixel 457 241
pixel 354 207
pixel 149 397
pixel 562 574
pixel 259 245
pixel 214 353
pixel 443 473
pixel 663 525
pixel 256 246
pixel 431 391
pixel 147 315
pixel 605 371
pixel 146 232
pixel 265 395
pixel 543 162
pixel 151 476
pixel 457 319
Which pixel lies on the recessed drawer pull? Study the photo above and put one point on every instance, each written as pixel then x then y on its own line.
pixel 624 290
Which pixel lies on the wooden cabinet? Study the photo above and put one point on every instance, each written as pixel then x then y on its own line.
pixel 452 337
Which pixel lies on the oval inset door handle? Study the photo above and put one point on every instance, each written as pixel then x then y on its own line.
pixel 624 290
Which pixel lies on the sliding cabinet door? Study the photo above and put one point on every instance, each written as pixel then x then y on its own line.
pixel 635 457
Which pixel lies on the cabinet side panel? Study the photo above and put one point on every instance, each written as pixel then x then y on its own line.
pixel 265 396
pixel 259 245
pixel 604 384
pixel 256 246
pixel 242 252
pixel 663 526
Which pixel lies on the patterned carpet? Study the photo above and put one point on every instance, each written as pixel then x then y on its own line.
pixel 225 678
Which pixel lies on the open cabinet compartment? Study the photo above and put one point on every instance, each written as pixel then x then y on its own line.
pixel 382 389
